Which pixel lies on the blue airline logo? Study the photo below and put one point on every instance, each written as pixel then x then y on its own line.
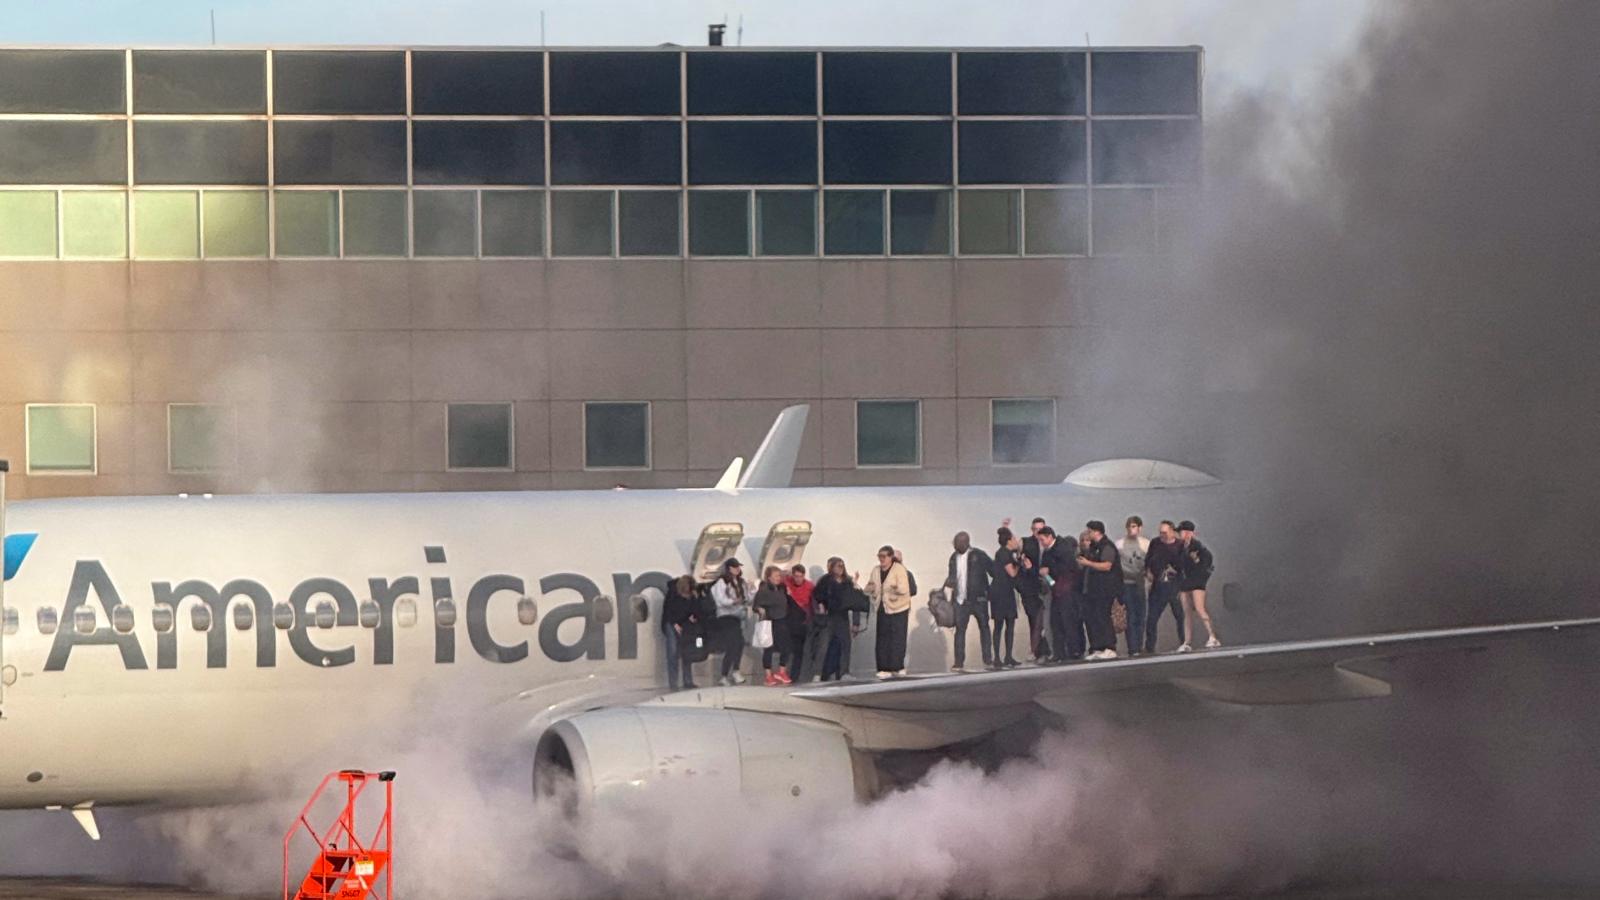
pixel 17 547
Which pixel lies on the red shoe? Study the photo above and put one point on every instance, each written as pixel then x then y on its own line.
pixel 783 676
pixel 772 680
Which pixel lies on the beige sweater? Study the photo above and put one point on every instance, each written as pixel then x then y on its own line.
pixel 896 596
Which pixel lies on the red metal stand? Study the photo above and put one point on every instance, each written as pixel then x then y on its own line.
pixel 354 871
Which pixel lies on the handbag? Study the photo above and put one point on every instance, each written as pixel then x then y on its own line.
pixel 1119 616
pixel 942 608
pixel 761 637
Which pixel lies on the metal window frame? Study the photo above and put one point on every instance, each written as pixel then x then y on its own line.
pixel 856 428
pixel 94 441
pixel 511 436
pixel 649 436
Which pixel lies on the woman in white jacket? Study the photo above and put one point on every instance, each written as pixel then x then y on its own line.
pixel 890 588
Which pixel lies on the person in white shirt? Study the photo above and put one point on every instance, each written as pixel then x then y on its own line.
pixel 732 598
pixel 968 584
pixel 1131 551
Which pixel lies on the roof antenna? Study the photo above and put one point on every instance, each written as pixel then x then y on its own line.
pixel 213 26
pixel 738 36
pixel 541 28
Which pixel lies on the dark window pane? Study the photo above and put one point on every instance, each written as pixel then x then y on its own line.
pixel 444 223
pixel 719 223
pixel 786 223
pixel 375 223
pixel 615 153
pixel 752 84
pixel 989 222
pixel 318 82
pixel 647 223
pixel 1146 83
pixel 199 81
pixel 1124 222
pixel 614 84
pixel 477 152
pixel 752 153
pixel 580 223
pixel 616 435
pixel 1020 84
pixel 919 223
pixel 340 152
pixel 61 81
pixel 1022 152
pixel 1057 221
pixel 200 152
pixel 1023 431
pixel 513 223
pixel 893 84
pixel 1147 151
pixel 445 82
pixel 888 433
pixel 852 223
pixel 887 152
pixel 63 152
pixel 479 435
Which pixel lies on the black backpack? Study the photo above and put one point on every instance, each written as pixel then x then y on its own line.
pixel 912 580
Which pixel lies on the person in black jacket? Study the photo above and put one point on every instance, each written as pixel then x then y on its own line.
pixel 1196 567
pixel 1003 598
pixel 772 605
pixel 1164 562
pixel 968 584
pixel 837 607
pixel 1102 585
pixel 1030 583
pixel 1060 566
pixel 680 625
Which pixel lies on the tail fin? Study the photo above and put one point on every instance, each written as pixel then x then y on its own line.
pixel 729 482
pixel 773 464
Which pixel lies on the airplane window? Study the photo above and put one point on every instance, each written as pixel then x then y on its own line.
pixel 122 618
pixel 200 617
pixel 405 612
pixel 370 614
pixel 605 609
pixel 282 616
pixel 527 610
pixel 11 618
pixel 444 613
pixel 83 620
pixel 243 616
pixel 162 618
pixel 325 616
pixel 47 620
pixel 639 607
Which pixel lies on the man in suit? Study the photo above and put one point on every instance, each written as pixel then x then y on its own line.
pixel 1035 594
pixel 968 584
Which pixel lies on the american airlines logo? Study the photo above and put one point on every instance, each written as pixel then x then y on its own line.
pixel 16 550
pixel 315 606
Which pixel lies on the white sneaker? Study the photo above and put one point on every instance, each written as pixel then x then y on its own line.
pixel 958 670
pixel 1213 643
pixel 725 681
pixel 885 676
pixel 899 673
pixel 1184 648
pixel 738 678
pixel 1108 653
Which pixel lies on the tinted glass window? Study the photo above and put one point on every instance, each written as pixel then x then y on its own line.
pixel 615 153
pixel 479 435
pixel 737 83
pixel 307 223
pixel 477 152
pixel 990 222
pixel 887 152
pixel 63 152
pixel 61 438
pixel 1124 222
pixel 888 433
pixel 719 223
pixel 1057 221
pixel 1146 83
pixel 580 223
pixel 321 82
pixel 487 84
pixel 166 224
pixel 200 438
pixel 513 223
pixel 444 223
pixel 234 223
pixel 1146 151
pixel 647 223
pixel 200 152
pixel 1023 431
pixel 616 435
pixel 786 223
pixel 614 84
pixel 852 223
pixel 28 223
pixel 752 153
pixel 340 152
pixel 894 84
pixel 1020 84
pixel 919 223
pixel 94 224
pixel 1022 152
pixel 375 223
pixel 61 81
pixel 199 81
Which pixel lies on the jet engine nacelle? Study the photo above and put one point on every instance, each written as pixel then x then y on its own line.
pixel 610 755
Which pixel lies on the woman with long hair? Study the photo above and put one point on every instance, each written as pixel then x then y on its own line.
pixel 1003 598
pixel 772 606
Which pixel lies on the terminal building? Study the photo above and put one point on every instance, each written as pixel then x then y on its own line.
pixel 393 269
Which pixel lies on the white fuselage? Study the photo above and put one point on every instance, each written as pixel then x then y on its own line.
pixel 189 716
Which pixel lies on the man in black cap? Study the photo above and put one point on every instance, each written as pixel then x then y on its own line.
pixel 1102 585
pixel 732 598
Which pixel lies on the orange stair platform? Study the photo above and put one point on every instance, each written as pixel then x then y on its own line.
pixel 346 868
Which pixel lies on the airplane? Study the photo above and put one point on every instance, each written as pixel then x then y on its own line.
pixel 175 651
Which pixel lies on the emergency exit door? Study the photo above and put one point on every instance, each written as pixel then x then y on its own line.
pixel 785 546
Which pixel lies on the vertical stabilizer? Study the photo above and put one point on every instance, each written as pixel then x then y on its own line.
pixel 773 464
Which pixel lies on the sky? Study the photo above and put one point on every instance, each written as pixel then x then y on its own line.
pixel 1277 45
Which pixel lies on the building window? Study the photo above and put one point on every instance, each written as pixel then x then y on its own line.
pixel 1022 432
pixel 444 223
pixel 234 224
pixel 199 152
pixel 166 224
pixel 61 438
pixel 919 223
pixel 201 437
pixel 1056 222
pixel 647 223
pixel 41 151
pixel 990 223
pixel 477 152
pixel 375 223
pixel 308 223
pixel 1143 82
pixel 94 224
pixel 199 81
pixel 513 223
pixel 28 224
pixel 786 223
pixel 581 223
pixel 719 223
pixel 616 435
pixel 856 152
pixel 616 153
pixel 888 433
pixel 1124 222
pixel 852 223
pixel 479 436
pixel 323 151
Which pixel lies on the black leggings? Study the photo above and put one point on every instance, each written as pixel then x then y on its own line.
pixel 781 645
pixel 1005 629
pixel 730 635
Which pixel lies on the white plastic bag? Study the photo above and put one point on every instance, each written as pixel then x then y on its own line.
pixel 761 638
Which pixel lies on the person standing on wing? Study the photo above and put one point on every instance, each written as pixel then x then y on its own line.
pixel 968 584
pixel 890 587
pixel 1196 565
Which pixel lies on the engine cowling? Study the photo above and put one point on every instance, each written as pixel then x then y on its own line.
pixel 605 756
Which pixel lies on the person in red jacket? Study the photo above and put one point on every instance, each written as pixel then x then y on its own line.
pixel 799 615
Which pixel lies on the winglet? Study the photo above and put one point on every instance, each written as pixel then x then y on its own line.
pixel 729 482
pixel 84 814
pixel 773 464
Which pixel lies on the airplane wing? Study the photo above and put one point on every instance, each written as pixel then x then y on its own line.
pixel 1256 675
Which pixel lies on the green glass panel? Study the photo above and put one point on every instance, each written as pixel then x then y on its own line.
pixel 1057 221
pixel 94 224
pixel 887 433
pixel 1023 432
pixel 513 223
pixel 375 223
pixel 580 223
pixel 445 223
pixel 786 223
pixel 479 435
pixel 719 223
pixel 616 435
pixel 28 223
pixel 235 223
pixel 852 223
pixel 61 438
pixel 166 224
pixel 308 223
pixel 989 222
pixel 919 223
pixel 200 437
